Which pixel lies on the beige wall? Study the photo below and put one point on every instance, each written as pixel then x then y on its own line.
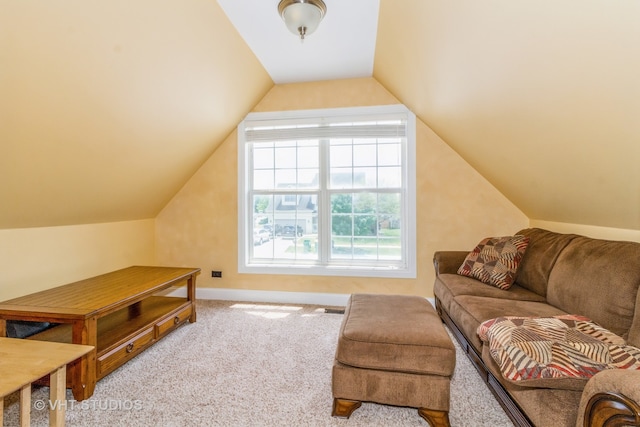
pixel 198 227
pixel 33 259
pixel 456 206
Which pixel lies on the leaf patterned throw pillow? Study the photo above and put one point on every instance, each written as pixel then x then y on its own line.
pixel 495 260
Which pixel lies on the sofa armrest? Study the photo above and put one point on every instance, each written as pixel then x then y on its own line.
pixel 611 398
pixel 448 262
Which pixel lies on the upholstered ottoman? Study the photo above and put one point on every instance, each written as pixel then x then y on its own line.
pixel 393 350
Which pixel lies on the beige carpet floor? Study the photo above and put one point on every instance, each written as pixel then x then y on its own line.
pixel 246 364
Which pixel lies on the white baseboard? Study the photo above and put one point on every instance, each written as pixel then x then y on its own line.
pixel 279 297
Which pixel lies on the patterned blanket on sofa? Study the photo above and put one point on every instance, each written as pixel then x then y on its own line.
pixel 542 348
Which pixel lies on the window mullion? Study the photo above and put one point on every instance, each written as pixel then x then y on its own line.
pixel 324 208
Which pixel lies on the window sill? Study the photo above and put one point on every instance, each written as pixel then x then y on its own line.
pixel 313 270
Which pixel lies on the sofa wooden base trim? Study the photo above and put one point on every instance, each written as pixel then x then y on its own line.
pixel 510 407
pixel 611 410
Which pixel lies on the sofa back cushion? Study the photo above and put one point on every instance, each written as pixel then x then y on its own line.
pixel 537 263
pixel 634 332
pixel 598 279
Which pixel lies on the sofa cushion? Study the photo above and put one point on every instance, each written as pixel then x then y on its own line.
pixel 449 286
pixel 598 279
pixel 495 260
pixel 555 352
pixel 634 332
pixel 545 407
pixel 542 252
pixel 463 285
pixel 468 311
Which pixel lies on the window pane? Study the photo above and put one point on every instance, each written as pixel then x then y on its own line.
pixel 308 156
pixel 364 248
pixel 390 177
pixel 365 225
pixel 341 178
pixel 389 226
pixel 390 243
pixel 341 203
pixel 364 203
pixel 342 225
pixel 262 207
pixel 364 177
pixel 389 204
pixel 292 221
pixel 263 158
pixel 389 155
pixel 263 180
pixel 286 178
pixel 340 155
pixel 341 247
pixel 288 200
pixel 262 220
pixel 308 178
pixel 285 157
pixel 364 155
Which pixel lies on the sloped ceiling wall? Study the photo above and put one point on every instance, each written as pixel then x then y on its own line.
pixel 541 97
pixel 107 108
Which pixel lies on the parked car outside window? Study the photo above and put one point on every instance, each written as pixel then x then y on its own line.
pixel 260 236
pixel 290 231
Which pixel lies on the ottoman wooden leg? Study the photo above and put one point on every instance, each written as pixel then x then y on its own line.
pixel 343 408
pixel 435 418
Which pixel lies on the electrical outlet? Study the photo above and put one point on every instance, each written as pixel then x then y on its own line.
pixel 216 274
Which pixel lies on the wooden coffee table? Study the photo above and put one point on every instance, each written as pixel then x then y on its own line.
pixel 25 361
pixel 120 313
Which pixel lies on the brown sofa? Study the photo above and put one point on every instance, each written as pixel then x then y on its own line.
pixel 559 274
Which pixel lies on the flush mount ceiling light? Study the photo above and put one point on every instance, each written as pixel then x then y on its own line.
pixel 302 16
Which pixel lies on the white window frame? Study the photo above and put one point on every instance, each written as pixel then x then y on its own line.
pixel 408 267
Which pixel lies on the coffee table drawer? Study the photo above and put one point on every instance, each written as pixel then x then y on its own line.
pixel 119 355
pixel 173 320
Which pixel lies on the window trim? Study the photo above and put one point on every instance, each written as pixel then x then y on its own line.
pixel 409 171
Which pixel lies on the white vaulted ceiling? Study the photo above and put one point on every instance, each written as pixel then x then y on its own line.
pixel 343 46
